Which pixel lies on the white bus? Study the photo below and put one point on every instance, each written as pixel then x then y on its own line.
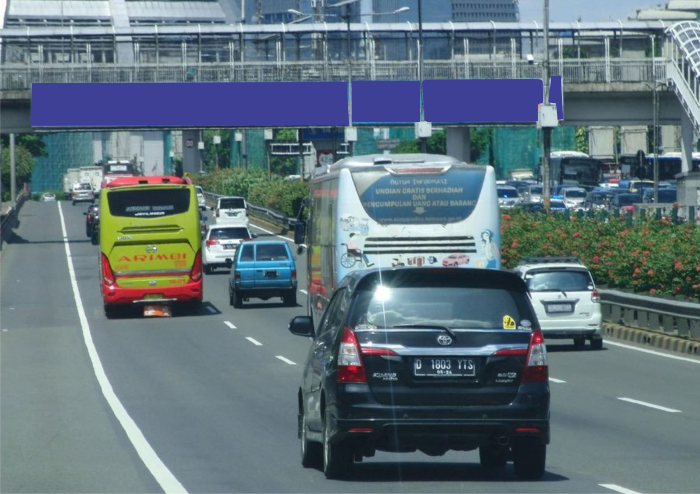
pixel 397 210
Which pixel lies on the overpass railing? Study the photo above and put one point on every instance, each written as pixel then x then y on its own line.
pixel 596 71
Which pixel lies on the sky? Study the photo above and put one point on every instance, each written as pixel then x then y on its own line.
pixel 587 10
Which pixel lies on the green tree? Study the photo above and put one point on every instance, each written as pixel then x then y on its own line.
pixel 481 142
pixel 32 142
pixel 216 155
pixel 582 139
pixel 284 165
pixel 436 144
pixel 24 165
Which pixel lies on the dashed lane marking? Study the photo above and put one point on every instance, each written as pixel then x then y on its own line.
pixel 253 341
pixel 304 292
pixel 650 405
pixel 229 325
pixel 617 488
pixel 558 381
pixel 283 359
pixel 211 309
pixel 150 459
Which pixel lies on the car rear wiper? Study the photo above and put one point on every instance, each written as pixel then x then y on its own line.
pixel 427 326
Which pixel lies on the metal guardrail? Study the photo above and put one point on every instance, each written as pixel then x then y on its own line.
pixel 10 220
pixel 602 71
pixel 670 317
pixel 266 214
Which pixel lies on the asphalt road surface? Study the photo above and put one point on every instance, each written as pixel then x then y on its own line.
pixel 207 402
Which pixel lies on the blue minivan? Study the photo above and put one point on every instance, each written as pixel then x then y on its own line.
pixel 263 269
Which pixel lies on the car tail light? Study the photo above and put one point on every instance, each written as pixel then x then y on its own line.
pixel 377 351
pixel 536 368
pixel 107 273
pixel 237 276
pixel 196 272
pixel 595 297
pixel 511 351
pixel 217 212
pixel 350 367
pixel 212 242
pixel 294 274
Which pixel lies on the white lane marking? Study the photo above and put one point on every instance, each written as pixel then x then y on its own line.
pixel 286 360
pixel 558 381
pixel 4 331
pixel 304 292
pixel 650 405
pixel 272 233
pixel 229 325
pixel 160 472
pixel 652 352
pixel 617 488
pixel 253 341
pixel 211 309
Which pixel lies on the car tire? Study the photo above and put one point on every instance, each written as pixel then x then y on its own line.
pixel 73 203
pixel 493 457
pixel 529 458
pixel 94 238
pixel 87 232
pixel 337 458
pixel 111 311
pixel 237 300
pixel 597 343
pixel 207 269
pixel 579 343
pixel 290 298
pixel 311 451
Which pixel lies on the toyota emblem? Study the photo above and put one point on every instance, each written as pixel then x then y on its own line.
pixel 444 340
pixel 151 249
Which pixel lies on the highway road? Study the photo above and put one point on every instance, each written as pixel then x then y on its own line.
pixel 207 402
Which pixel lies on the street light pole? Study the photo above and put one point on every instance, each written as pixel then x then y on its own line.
pixel 546 131
pixel 423 144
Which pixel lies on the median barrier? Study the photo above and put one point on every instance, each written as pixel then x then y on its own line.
pixel 10 219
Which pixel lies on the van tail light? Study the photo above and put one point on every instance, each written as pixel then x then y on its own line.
pixel 595 297
pixel 196 272
pixel 107 273
pixel 217 212
pixel 212 242
pixel 294 274
pixel 350 367
pixel 536 368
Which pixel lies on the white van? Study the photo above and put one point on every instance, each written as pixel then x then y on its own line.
pixel 231 210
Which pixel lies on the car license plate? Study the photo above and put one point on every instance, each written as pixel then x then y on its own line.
pixel 444 367
pixel 229 246
pixel 153 296
pixel 231 213
pixel 270 274
pixel 559 308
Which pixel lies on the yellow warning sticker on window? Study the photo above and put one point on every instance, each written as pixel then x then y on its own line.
pixel 508 322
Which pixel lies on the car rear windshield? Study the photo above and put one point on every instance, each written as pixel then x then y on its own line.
pixel 552 280
pixel 232 204
pixel 148 203
pixel 575 194
pixel 453 307
pixel 629 199
pixel 83 187
pixel 272 252
pixel 535 190
pixel 229 233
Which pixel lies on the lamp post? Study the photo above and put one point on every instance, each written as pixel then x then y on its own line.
pixel 423 143
pixel 546 131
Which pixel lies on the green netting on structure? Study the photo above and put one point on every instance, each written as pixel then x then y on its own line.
pixel 65 150
pixel 520 147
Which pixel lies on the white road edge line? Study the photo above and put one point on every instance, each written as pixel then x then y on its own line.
pixel 229 325
pixel 617 488
pixel 558 381
pixel 160 472
pixel 283 359
pixel 652 352
pixel 271 233
pixel 650 405
pixel 253 341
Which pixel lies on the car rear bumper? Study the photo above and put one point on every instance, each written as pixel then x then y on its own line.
pixel 572 333
pixel 115 295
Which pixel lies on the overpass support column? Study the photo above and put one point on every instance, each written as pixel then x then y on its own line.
pixel 686 143
pixel 459 144
pixel 13 171
pixel 191 156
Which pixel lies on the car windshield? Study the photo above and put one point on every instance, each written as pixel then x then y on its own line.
pixel 199 190
pixel 453 307
pixel 551 280
pixel 236 203
pixel 507 193
pixel 536 190
pixel 272 252
pixel 229 233
pixel 575 194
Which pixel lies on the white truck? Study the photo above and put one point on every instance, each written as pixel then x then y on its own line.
pixel 92 174
pixel 71 176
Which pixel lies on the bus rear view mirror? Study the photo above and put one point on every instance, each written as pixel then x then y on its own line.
pixel 299 232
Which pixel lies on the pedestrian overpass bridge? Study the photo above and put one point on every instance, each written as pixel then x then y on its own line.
pixel 610 71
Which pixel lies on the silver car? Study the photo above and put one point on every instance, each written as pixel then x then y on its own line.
pixel 508 196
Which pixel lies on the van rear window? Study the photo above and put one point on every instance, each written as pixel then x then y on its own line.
pixel 148 203
pixel 232 204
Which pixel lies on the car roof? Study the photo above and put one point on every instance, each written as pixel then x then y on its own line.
pixel 555 265
pixel 146 180
pixel 224 225
pixel 258 241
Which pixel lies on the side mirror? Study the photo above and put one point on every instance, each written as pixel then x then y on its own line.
pixel 229 262
pixel 254 235
pixel 300 249
pixel 299 232
pixel 302 326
